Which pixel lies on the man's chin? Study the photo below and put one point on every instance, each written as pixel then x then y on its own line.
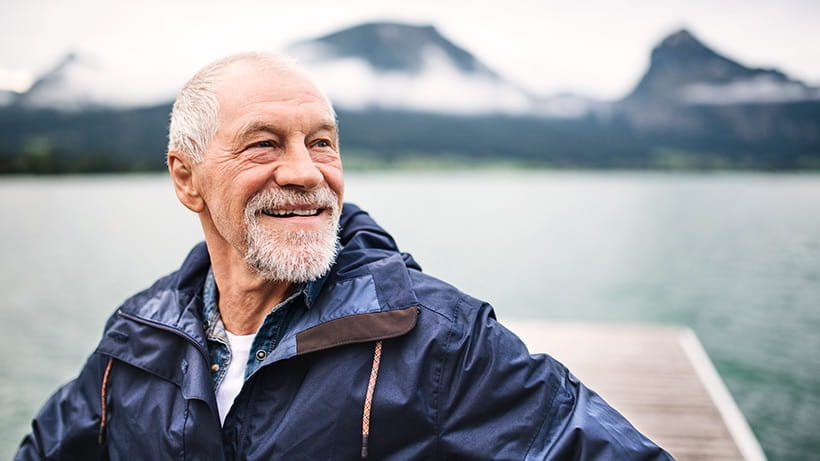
pixel 301 258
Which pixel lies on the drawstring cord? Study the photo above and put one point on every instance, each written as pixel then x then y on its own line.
pixel 368 400
pixel 103 404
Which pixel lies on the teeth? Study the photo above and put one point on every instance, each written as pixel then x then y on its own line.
pixel 293 212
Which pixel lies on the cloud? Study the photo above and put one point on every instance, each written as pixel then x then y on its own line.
pixel 88 80
pixel 593 47
pixel 16 80
pixel 441 87
pixel 754 90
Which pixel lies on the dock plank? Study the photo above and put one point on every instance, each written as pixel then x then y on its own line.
pixel 659 377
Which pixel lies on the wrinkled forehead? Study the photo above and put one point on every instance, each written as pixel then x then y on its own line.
pixel 245 83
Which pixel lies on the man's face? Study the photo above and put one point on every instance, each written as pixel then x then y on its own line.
pixel 271 179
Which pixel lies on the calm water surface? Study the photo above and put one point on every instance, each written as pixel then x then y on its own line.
pixel 736 257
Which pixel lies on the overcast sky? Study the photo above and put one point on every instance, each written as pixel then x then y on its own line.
pixel 598 48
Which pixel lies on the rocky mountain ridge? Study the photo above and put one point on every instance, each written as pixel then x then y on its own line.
pixel 685 71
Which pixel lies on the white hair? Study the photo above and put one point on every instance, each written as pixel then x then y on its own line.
pixel 195 115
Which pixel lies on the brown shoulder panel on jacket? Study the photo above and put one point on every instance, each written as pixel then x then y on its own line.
pixel 357 328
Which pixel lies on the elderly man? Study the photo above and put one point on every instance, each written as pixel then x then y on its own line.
pixel 298 330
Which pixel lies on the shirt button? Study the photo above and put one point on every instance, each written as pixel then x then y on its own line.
pixel 261 354
pixel 215 368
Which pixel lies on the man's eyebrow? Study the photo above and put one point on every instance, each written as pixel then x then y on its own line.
pixel 253 128
pixel 258 126
pixel 327 126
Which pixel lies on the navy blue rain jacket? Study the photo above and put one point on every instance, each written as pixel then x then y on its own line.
pixel 452 382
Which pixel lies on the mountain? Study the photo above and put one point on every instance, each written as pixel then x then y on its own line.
pixel 685 71
pixel 393 47
pixel 698 100
pixel 83 81
pixel 387 65
pixel 69 85
pixel 7 97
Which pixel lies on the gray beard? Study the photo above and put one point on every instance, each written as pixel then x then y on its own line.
pixel 299 256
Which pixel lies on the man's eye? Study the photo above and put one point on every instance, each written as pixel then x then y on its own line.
pixel 322 143
pixel 263 144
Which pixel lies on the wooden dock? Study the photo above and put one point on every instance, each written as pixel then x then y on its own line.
pixel 659 377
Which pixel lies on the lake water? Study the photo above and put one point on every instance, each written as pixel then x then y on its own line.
pixel 736 257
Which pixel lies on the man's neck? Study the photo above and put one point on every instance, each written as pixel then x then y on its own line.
pixel 245 298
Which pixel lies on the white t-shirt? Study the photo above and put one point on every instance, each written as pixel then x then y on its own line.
pixel 240 346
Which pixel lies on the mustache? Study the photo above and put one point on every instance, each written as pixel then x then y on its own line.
pixel 272 199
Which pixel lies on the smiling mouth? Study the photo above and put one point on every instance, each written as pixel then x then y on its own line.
pixel 292 213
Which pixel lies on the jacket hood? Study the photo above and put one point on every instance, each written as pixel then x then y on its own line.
pixel 364 242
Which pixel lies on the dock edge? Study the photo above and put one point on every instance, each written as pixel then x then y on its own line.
pixel 736 423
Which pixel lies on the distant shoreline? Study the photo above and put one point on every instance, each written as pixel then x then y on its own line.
pixel 366 161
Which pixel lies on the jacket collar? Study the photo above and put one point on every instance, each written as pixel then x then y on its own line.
pixel 367 297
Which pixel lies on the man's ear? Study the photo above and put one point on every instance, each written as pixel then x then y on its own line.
pixel 182 174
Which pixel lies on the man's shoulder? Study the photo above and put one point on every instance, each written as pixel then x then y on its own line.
pixel 445 299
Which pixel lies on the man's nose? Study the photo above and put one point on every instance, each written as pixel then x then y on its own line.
pixel 297 169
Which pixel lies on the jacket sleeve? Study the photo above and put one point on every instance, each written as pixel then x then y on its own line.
pixel 502 403
pixel 590 429
pixel 68 425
